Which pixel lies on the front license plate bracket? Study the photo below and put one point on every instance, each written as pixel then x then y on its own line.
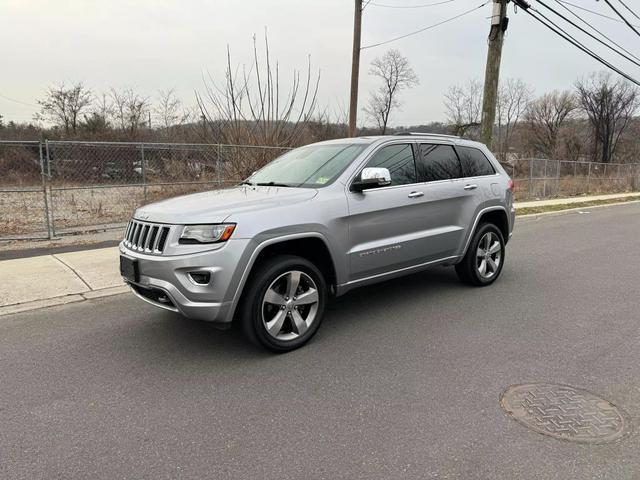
pixel 129 269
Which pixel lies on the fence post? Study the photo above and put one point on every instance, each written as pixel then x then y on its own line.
pixel 143 172
pixel 544 181
pixel 589 179
pixel 558 167
pixel 530 178
pixel 52 224
pixel 44 191
pixel 618 177
pixel 219 166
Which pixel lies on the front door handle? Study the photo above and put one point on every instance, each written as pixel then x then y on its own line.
pixel 416 194
pixel 470 186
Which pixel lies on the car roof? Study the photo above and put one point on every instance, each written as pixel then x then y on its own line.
pixel 370 139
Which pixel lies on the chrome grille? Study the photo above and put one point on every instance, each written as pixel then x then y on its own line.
pixel 146 237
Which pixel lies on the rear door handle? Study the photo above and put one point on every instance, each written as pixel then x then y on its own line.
pixel 416 194
pixel 470 186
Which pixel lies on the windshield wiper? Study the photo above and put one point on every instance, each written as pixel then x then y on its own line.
pixel 246 183
pixel 273 184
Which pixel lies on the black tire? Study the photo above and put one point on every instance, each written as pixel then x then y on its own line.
pixel 468 269
pixel 253 309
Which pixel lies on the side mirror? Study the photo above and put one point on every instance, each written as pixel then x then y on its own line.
pixel 372 177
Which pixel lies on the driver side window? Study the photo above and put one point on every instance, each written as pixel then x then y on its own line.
pixel 398 159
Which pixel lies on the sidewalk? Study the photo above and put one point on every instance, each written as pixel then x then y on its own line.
pixel 59 278
pixel 48 280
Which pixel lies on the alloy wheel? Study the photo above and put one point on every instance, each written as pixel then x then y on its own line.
pixel 488 255
pixel 290 305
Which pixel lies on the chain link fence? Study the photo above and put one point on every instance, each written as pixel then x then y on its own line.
pixel 54 188
pixel 24 209
pixel 539 178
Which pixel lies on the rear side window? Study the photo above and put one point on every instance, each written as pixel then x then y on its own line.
pixel 398 159
pixel 474 162
pixel 439 162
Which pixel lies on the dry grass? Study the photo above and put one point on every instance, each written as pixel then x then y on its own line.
pixel 23 212
pixel 570 186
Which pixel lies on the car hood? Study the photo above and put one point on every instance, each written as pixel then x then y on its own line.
pixel 215 206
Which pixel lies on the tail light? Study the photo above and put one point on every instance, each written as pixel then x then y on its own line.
pixel 510 185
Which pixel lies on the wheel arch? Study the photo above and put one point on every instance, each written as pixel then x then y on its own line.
pixel 311 246
pixel 496 215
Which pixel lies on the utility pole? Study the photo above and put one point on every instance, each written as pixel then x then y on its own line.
pixel 499 23
pixel 355 67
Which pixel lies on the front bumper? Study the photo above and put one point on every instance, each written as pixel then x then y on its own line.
pixel 164 281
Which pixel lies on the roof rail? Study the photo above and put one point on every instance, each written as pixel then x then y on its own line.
pixel 428 134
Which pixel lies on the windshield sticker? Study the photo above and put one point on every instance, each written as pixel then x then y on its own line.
pixel 322 180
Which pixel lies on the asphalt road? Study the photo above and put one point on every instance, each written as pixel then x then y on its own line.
pixel 402 380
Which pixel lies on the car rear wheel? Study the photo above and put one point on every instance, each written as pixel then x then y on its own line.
pixel 284 303
pixel 483 262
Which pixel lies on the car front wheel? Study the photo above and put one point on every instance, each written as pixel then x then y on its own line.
pixel 284 303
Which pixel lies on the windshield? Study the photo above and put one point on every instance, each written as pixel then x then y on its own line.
pixel 310 166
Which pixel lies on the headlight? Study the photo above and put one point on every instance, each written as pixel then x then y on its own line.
pixel 206 233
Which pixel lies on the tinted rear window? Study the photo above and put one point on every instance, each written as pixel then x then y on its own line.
pixel 439 162
pixel 474 162
pixel 399 160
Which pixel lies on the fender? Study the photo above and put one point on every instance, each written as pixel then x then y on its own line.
pixel 254 255
pixel 475 224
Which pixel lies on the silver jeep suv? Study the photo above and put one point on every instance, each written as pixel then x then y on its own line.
pixel 316 222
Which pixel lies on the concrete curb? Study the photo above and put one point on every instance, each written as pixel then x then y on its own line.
pixel 572 200
pixel 62 300
pixel 571 210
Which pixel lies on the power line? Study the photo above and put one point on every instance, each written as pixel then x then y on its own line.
pixel 586 32
pixel 585 49
pixel 593 12
pixel 18 101
pixel 568 37
pixel 631 11
pixel 562 4
pixel 411 6
pixel 622 17
pixel 426 28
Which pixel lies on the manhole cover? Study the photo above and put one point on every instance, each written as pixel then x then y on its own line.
pixel 564 412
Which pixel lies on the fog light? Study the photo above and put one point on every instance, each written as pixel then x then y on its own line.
pixel 163 299
pixel 201 278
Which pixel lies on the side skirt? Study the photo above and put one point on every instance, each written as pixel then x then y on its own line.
pixel 380 277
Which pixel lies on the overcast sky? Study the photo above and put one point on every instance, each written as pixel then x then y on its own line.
pixel 160 44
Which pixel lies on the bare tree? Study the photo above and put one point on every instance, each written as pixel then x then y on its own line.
pixel 545 117
pixel 513 97
pixel 96 122
pixel 63 106
pixel 248 107
pixel 396 74
pixel 168 109
pixel 463 104
pixel 610 106
pixel 129 110
pixel 327 124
